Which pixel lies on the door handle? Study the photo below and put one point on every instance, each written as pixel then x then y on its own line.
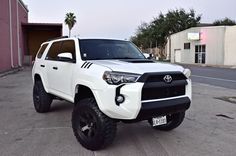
pixel 42 65
pixel 55 68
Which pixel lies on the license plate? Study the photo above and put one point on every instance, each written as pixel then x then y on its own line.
pixel 159 121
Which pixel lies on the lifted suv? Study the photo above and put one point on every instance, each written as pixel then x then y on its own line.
pixel 109 81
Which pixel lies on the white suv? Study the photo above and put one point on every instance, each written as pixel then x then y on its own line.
pixel 109 81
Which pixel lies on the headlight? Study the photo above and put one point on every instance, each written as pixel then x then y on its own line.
pixel 116 78
pixel 187 72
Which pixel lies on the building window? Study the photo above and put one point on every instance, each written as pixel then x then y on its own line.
pixel 196 48
pixel 203 48
pixel 187 45
pixel 200 54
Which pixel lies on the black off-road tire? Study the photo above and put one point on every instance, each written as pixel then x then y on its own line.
pixel 92 129
pixel 173 121
pixel 42 100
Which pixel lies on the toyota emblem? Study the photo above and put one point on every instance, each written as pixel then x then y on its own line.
pixel 167 79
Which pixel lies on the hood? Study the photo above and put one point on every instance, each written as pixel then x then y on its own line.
pixel 138 66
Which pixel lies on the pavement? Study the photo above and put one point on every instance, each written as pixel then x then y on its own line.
pixel 12 71
pixel 222 77
pixel 208 129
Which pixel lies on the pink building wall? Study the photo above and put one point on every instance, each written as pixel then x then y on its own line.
pixel 23 18
pixel 18 16
pixel 14 33
pixel 5 58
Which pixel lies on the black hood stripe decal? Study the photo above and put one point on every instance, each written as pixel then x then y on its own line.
pixel 83 64
pixel 86 65
pixel 89 65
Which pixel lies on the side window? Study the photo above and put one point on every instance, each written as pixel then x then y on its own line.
pixel 41 50
pixel 68 47
pixel 61 47
pixel 54 51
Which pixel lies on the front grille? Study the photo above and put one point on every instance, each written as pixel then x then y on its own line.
pixel 158 77
pixel 163 92
pixel 156 88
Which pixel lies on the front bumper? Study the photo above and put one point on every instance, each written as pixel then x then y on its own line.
pixel 134 108
pixel 159 108
pixel 129 109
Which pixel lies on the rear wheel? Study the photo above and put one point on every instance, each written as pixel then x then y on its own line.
pixel 173 121
pixel 42 100
pixel 93 129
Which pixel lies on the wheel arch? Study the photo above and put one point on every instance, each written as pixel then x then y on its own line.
pixel 82 92
pixel 38 77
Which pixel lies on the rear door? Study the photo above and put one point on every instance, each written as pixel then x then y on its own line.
pixel 59 71
pixel 39 64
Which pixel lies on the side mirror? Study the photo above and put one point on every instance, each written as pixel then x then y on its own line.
pixel 150 57
pixel 67 57
pixel 146 55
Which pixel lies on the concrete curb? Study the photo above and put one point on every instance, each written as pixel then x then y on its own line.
pixel 11 71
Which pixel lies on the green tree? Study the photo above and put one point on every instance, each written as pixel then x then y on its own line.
pixel 157 31
pixel 225 21
pixel 142 36
pixel 70 20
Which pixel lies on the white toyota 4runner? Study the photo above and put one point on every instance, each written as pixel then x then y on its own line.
pixel 109 81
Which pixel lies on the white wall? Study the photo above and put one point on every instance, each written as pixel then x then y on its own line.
pixel 230 46
pixel 177 44
pixel 212 37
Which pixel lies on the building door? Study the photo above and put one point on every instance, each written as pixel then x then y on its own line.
pixel 177 55
pixel 200 54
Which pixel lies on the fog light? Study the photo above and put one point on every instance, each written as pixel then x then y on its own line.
pixel 120 99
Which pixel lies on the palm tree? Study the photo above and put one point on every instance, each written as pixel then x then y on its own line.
pixel 70 20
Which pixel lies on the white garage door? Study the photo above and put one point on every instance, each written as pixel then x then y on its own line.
pixel 177 55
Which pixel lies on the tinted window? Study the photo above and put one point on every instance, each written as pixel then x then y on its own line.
pixel 54 51
pixel 97 49
pixel 61 47
pixel 68 47
pixel 41 50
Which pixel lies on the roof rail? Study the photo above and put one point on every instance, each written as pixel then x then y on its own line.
pixel 57 38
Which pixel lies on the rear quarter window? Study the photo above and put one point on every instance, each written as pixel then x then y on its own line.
pixel 41 50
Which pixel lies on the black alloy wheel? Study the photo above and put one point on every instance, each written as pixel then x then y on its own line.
pixel 93 129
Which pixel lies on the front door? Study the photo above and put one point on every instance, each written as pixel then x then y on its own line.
pixel 200 54
pixel 59 73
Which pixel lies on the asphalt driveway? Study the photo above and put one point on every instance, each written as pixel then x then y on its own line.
pixel 209 127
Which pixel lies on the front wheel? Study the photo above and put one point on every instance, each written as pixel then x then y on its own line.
pixel 93 129
pixel 173 121
pixel 42 100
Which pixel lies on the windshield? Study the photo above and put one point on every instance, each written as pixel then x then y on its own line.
pixel 101 49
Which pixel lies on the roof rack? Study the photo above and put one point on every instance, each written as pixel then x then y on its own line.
pixel 57 38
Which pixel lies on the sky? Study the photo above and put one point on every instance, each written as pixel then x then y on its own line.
pixel 119 19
